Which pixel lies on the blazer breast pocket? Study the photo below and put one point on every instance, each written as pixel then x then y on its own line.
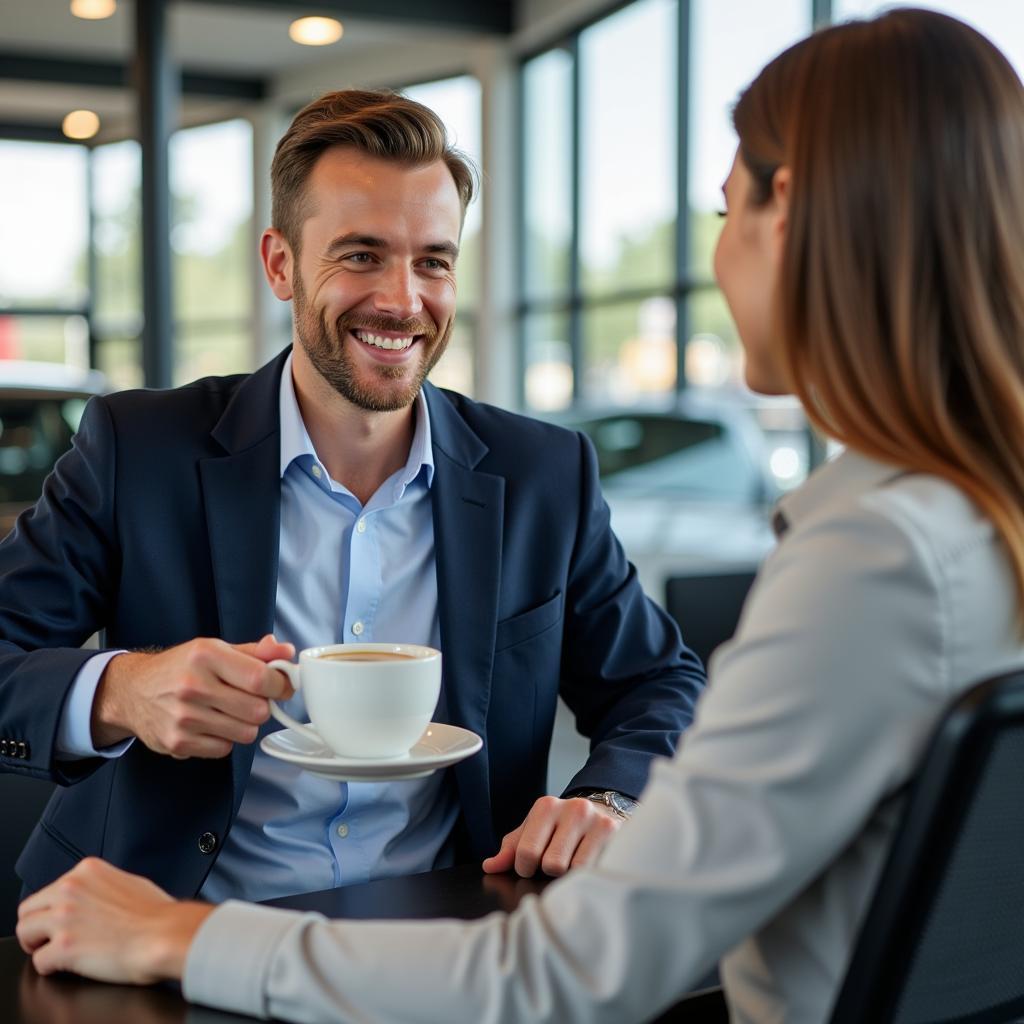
pixel 526 625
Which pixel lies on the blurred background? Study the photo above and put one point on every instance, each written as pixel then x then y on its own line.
pixel 135 142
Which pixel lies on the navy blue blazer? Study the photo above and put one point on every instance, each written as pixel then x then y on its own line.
pixel 161 525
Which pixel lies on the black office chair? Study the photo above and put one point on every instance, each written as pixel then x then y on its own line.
pixel 707 608
pixel 22 801
pixel 943 938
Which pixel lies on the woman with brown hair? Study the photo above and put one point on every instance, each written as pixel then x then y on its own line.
pixel 873 258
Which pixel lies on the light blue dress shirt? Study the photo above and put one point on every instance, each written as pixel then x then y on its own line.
pixel 346 572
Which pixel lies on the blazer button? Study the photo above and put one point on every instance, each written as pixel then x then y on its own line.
pixel 23 750
pixel 208 842
pixel 4 748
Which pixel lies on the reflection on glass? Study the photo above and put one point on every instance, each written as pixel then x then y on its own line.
pixel 455 369
pixel 120 360
pixel 44 214
pixel 117 234
pixel 549 377
pixel 629 351
pixel 628 87
pixel 729 44
pixel 547 84
pixel 211 220
pixel 714 356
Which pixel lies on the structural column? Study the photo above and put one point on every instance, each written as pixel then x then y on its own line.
pixel 157 84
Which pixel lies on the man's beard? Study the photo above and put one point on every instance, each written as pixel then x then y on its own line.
pixel 393 388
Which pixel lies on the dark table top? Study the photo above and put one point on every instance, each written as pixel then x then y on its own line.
pixel 462 892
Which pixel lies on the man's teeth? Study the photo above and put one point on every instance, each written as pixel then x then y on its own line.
pixel 379 342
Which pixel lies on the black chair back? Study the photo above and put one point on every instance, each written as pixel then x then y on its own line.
pixel 22 800
pixel 707 608
pixel 943 938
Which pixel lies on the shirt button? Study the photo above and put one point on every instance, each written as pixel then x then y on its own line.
pixel 361 526
pixel 342 831
pixel 317 471
pixel 357 628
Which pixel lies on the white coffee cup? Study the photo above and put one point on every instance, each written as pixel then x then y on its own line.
pixel 364 700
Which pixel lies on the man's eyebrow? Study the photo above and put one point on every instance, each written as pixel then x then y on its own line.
pixel 449 248
pixel 354 238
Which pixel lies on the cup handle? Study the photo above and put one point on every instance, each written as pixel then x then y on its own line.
pixel 291 670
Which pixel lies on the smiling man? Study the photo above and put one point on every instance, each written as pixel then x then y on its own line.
pixel 331 496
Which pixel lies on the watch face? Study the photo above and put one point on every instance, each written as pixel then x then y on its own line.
pixel 623 804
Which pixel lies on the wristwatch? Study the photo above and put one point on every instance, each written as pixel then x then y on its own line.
pixel 621 805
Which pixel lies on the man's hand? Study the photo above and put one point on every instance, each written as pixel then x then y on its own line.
pixel 556 835
pixel 106 924
pixel 194 700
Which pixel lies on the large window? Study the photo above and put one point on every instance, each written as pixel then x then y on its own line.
pixel 44 261
pixel 619 213
pixel 457 102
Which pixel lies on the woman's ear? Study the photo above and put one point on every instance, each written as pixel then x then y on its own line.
pixel 781 182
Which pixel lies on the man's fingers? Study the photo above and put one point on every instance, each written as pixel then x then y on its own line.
pixel 32 931
pixel 506 855
pixel 236 668
pixel 241 706
pixel 537 831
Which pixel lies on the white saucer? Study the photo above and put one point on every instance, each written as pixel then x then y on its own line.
pixel 438 747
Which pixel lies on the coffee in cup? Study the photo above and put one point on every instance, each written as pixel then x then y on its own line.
pixel 364 700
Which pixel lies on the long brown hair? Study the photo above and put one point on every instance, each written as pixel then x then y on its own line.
pixel 901 294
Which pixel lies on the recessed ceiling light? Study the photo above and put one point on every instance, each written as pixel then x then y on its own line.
pixel 315 31
pixel 93 10
pixel 80 124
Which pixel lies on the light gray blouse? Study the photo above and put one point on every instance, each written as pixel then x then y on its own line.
pixel 758 844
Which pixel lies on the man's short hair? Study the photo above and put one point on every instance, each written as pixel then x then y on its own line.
pixel 382 124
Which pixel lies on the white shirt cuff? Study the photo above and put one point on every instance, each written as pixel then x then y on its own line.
pixel 74 734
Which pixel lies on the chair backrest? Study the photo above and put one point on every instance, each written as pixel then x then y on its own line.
pixel 22 800
pixel 707 608
pixel 943 938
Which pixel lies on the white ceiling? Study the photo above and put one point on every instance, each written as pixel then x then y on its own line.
pixel 231 41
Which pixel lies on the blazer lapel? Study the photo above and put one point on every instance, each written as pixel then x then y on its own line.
pixel 468 510
pixel 242 499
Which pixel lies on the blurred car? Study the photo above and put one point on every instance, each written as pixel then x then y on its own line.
pixel 41 405
pixel 689 487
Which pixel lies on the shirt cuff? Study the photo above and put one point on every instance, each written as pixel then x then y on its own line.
pixel 74 734
pixel 230 956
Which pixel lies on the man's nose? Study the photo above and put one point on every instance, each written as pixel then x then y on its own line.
pixel 398 293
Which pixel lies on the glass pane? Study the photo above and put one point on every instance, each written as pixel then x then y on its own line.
pixel 547 136
pixel 117 238
pixel 629 351
pixel 211 221
pixel 47 339
pixel 1002 22
pixel 457 102
pixel 714 356
pixel 34 432
pixel 455 370
pixel 212 350
pixel 120 361
pixel 729 44
pixel 628 121
pixel 45 216
pixel 548 362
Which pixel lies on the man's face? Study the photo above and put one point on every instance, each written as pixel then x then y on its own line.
pixel 374 285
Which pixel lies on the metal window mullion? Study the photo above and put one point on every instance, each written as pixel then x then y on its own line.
pixel 90 257
pixel 683 66
pixel 575 295
pixel 821 13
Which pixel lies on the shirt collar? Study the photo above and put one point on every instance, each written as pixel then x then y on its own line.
pixel 296 442
pixel 837 482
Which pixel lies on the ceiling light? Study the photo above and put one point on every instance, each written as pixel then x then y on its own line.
pixel 315 31
pixel 93 10
pixel 80 124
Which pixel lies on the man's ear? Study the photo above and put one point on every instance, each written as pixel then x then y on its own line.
pixel 782 180
pixel 278 263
